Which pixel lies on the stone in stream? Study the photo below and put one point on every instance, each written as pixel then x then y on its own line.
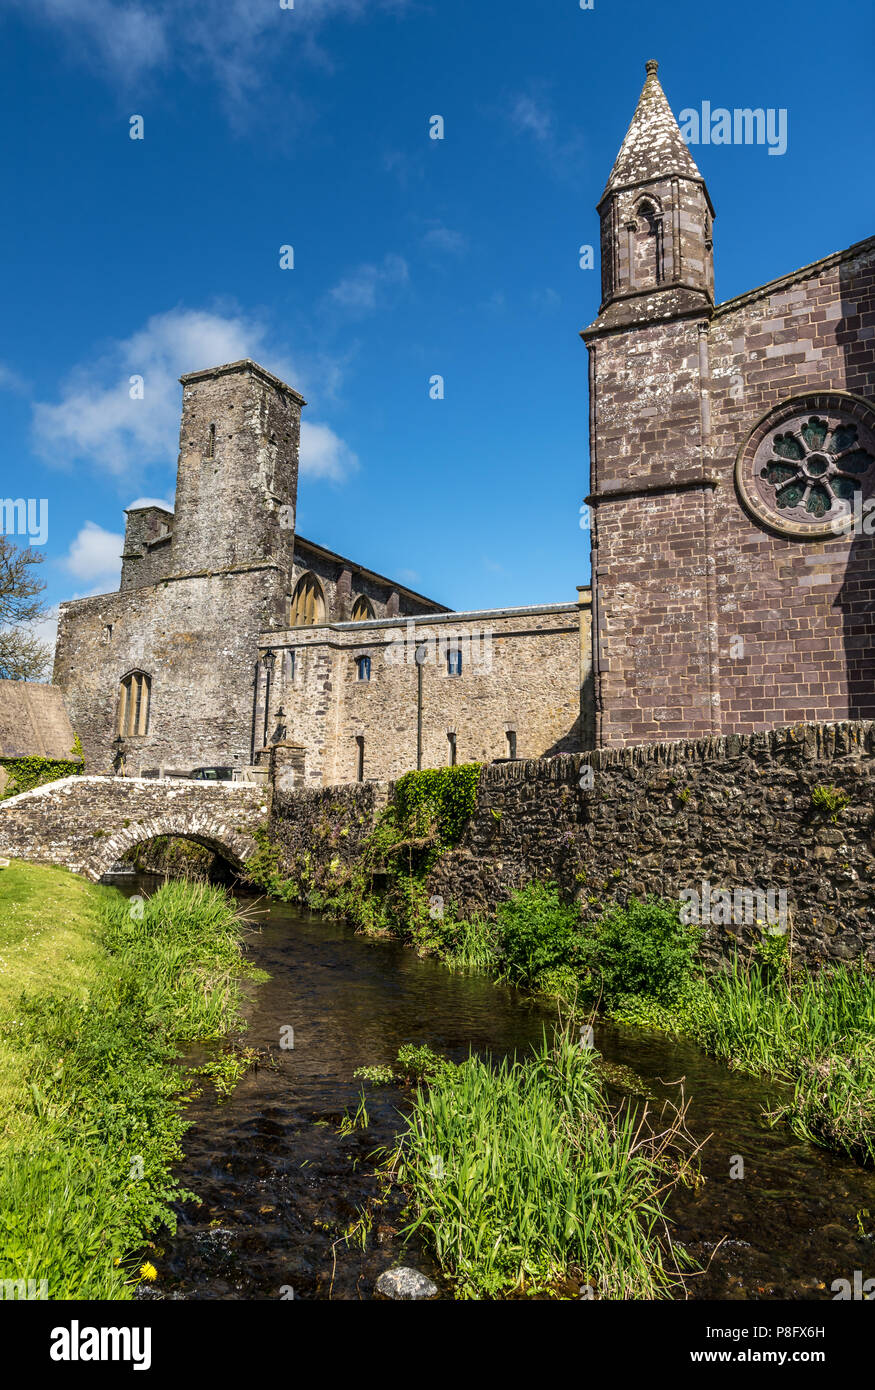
pixel 404 1282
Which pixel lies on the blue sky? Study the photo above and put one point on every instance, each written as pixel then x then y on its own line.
pixel 266 126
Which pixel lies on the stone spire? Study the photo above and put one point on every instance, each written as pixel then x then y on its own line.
pixel 656 222
pixel 653 147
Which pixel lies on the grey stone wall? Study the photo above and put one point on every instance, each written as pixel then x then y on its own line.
pixel 194 636
pixel 328 824
pixel 524 671
pixel 88 823
pixel 735 811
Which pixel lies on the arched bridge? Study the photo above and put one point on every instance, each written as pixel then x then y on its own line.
pixel 87 823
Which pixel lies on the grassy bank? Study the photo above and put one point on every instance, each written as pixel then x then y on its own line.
pixel 97 994
pixel 638 963
pixel 522 1180
pixel 763 1014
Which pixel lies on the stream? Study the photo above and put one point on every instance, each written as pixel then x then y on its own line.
pixel 279 1185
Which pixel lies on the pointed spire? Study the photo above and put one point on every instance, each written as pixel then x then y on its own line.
pixel 654 147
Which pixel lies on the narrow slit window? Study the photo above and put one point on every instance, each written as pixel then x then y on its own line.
pixel 451 750
pixel 211 443
pixel 511 743
pixel 454 662
pixel 363 668
pixel 360 757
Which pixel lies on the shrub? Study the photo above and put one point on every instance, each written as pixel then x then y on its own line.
pixel 538 933
pixel 641 949
pixel 521 1177
pixel 442 796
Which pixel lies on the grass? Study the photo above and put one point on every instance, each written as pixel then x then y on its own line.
pixel 639 964
pixel 520 1177
pixel 97 994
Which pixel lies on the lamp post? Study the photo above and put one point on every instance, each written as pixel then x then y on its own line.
pixel 268 661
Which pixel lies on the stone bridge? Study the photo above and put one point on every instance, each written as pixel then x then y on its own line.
pixel 87 823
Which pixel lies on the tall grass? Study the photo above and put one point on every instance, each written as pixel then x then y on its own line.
pixel 90 1176
pixel 520 1177
pixel 640 964
pixel 814 1030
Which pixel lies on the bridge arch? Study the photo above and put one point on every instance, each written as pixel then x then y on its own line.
pixel 233 845
pixel 87 823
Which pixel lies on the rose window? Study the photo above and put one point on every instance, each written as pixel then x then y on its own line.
pixel 804 468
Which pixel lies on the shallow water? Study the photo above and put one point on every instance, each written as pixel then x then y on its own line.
pixel 279 1185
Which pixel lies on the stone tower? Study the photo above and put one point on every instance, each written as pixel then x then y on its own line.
pixel 237 475
pixel 732 448
pixel 651 488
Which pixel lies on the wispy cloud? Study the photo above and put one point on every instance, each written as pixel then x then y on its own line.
pixel 102 419
pixel 234 41
pixel 441 238
pixel 10 380
pixel 366 287
pixel 532 118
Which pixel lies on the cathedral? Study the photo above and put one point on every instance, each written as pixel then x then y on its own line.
pixel 732 455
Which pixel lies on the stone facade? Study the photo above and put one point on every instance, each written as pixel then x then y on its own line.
pixel 723 601
pixel 194 662
pixel 366 708
pixel 34 722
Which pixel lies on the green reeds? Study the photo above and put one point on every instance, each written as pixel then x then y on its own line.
pixel 521 1179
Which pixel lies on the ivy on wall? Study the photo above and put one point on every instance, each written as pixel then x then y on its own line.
pixel 443 797
pixel 23 774
pixel 428 814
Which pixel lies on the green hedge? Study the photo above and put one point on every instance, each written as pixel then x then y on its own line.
pixel 25 773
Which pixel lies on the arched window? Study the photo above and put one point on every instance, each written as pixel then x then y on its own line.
pixel 363 667
pixel 454 661
pixel 308 603
pixel 647 245
pixel 362 609
pixel 135 691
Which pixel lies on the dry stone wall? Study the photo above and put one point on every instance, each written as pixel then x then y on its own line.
pixel 735 812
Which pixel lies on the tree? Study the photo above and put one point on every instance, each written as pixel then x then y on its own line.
pixel 23 657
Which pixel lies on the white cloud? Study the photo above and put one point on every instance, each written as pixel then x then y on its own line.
pixel 97 420
pixel 440 238
pixel 324 454
pixel 149 502
pixel 361 291
pixel 95 554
